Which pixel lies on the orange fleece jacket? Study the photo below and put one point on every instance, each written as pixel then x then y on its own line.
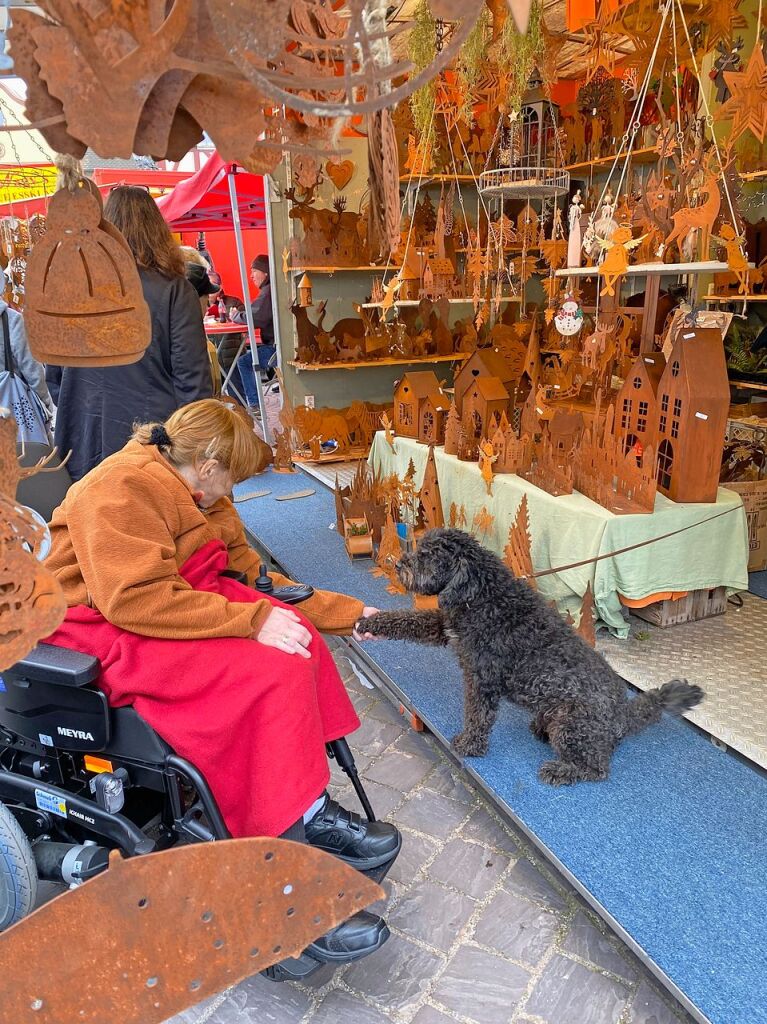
pixel 122 534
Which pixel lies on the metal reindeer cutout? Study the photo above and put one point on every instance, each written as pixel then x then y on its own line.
pixel 32 604
pixel 84 302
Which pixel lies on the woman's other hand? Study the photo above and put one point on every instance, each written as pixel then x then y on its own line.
pixel 365 613
pixel 283 630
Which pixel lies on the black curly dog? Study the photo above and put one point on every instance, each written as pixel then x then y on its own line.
pixel 511 644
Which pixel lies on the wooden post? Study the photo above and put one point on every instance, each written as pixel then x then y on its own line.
pixel 651 292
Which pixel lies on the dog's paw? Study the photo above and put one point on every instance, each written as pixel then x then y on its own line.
pixel 368 625
pixel 468 746
pixel 558 773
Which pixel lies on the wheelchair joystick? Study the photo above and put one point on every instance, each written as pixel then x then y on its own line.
pixel 264 582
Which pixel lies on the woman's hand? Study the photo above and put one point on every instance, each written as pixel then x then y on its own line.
pixel 283 630
pixel 365 613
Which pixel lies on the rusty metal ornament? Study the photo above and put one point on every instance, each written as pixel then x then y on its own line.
pixel 354 37
pixel 160 933
pixel 33 603
pixel 84 301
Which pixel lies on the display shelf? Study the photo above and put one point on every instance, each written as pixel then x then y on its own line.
pixel 365 267
pixel 735 298
pixel 753 175
pixel 454 357
pixel 699 267
pixel 434 179
pixel 417 302
pixel 640 156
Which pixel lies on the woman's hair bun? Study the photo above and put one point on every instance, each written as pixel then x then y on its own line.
pixel 159 436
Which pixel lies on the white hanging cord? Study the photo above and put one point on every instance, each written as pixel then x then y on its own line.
pixel 709 118
pixel 627 141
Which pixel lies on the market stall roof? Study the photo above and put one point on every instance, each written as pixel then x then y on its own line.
pixel 202 202
pixel 26 190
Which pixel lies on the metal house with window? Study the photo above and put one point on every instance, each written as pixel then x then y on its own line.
pixel 693 401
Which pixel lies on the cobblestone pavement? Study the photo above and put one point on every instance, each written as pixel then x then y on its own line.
pixel 483 930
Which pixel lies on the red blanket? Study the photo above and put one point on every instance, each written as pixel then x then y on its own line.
pixel 253 719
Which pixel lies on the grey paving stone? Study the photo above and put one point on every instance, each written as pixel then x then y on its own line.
pixel 516 928
pixel 481 986
pixel 399 770
pixel 397 975
pixel 568 993
pixel 382 798
pixel 339 1007
pixel 469 867
pixel 647 1007
pixel 373 736
pixel 194 1013
pixel 431 813
pixel 428 1015
pixel 526 880
pixel 483 827
pixel 362 700
pixel 415 851
pixel 419 743
pixel 259 1001
pixel 587 942
pixel 433 914
pixel 387 712
pixel 381 907
pixel 447 781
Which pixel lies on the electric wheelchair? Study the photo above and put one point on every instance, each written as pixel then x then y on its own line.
pixel 79 778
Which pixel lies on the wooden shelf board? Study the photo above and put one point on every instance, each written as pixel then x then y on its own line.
pixel 642 156
pixel 417 302
pixel 334 270
pixel 435 179
pixel 700 267
pixel 735 298
pixel 753 175
pixel 415 361
pixel 744 385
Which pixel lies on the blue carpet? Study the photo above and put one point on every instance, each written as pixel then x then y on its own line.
pixel 673 846
pixel 757 584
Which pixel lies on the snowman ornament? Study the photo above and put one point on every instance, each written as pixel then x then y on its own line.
pixel 569 317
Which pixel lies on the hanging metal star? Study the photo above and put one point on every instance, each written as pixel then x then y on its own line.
pixel 747 106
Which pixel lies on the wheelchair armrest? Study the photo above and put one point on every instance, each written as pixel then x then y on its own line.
pixel 49 664
pixel 232 574
pixel 293 595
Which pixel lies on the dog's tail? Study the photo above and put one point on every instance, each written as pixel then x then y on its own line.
pixel 676 697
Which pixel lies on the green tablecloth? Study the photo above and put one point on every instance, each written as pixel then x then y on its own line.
pixel 571 528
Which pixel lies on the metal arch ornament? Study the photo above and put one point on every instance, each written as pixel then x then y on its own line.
pixel 361 50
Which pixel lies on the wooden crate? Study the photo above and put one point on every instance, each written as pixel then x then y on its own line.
pixel 698 604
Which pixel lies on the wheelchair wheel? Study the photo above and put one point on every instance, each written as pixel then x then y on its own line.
pixel 18 871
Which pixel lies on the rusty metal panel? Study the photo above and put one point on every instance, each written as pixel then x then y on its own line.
pixel 154 935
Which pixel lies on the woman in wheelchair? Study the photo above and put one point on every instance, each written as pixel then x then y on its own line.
pixel 239 684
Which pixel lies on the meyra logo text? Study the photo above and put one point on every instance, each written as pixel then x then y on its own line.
pixel 75 734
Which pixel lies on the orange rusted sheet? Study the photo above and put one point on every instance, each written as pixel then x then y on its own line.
pixel 154 935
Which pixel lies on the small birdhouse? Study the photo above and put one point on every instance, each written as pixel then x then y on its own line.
pixel 305 291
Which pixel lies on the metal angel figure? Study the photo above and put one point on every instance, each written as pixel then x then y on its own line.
pixel 736 259
pixel 616 257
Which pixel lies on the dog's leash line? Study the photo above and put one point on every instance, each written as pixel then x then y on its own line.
pixel 631 547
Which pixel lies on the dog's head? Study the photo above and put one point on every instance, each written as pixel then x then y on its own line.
pixel 443 563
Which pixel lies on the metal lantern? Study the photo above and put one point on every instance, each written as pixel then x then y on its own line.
pixel 305 291
pixel 539 125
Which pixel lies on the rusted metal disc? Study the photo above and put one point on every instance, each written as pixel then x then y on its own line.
pixel 154 935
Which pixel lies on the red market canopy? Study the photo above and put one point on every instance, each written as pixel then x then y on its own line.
pixel 203 201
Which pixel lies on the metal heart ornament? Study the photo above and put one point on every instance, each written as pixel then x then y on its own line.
pixel 340 172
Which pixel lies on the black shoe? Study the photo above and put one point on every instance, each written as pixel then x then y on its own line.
pixel 363 844
pixel 360 935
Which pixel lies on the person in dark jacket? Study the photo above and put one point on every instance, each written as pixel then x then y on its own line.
pixel 97 407
pixel 263 320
